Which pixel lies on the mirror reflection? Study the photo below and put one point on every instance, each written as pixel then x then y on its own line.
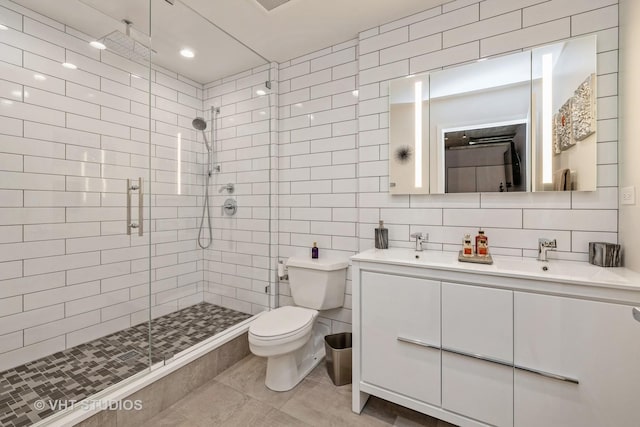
pixel 485 159
pixel 521 122
pixel 483 103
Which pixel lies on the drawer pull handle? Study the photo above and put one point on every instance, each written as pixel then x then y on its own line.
pixel 636 313
pixel 479 357
pixel 418 342
pixel 549 375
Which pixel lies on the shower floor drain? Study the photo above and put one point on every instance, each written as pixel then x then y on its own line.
pixel 128 355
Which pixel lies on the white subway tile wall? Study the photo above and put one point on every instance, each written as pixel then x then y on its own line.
pixel 318 161
pixel 240 262
pixel 69 139
pixel 460 32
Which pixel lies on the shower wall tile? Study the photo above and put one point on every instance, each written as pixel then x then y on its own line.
pixel 245 126
pixel 70 139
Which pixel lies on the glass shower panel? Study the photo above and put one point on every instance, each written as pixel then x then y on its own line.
pixel 211 170
pixel 75 211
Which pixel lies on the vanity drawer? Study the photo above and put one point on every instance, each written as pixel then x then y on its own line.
pixel 400 324
pixel 478 389
pixel 477 320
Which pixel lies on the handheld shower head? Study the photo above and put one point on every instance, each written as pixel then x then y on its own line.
pixel 199 123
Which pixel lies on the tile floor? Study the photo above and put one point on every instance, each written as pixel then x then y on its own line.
pixel 84 370
pixel 238 397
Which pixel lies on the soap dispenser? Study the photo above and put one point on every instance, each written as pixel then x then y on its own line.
pixel 382 236
pixel 314 251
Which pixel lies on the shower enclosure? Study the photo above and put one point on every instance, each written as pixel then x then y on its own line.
pixel 121 128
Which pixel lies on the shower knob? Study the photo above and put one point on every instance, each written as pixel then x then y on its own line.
pixel 230 207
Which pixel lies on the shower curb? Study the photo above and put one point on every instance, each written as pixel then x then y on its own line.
pixel 162 386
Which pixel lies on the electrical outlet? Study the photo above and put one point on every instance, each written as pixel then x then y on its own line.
pixel 628 196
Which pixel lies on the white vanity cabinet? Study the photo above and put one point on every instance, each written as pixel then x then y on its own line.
pixel 475 346
pixel 577 362
pixel 400 321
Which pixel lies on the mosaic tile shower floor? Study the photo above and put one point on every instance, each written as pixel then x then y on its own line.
pixel 79 372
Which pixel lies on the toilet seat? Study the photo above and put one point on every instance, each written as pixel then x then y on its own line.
pixel 282 325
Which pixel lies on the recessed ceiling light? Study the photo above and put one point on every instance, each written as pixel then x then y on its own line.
pixel 39 77
pixel 260 92
pixel 97 45
pixel 69 65
pixel 187 53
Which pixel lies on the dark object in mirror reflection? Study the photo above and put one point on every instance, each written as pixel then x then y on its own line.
pixel 403 154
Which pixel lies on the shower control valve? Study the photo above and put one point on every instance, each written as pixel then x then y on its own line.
pixel 230 207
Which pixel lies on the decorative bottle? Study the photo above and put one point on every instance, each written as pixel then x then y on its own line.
pixel 314 251
pixel 482 244
pixel 467 247
pixel 382 237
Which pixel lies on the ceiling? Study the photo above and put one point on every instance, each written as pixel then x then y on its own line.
pixel 228 36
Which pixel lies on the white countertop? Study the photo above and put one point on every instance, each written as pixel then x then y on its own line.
pixel 529 268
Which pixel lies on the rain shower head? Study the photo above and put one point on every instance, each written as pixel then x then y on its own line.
pixel 199 124
pixel 124 45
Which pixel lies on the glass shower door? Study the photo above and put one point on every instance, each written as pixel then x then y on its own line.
pixel 75 211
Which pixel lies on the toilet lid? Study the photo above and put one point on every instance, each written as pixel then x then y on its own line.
pixel 282 321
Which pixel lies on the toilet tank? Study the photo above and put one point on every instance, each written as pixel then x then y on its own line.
pixel 317 283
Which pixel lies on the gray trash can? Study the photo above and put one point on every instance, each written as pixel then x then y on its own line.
pixel 338 349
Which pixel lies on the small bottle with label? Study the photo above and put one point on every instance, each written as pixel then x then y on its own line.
pixel 467 247
pixel 314 251
pixel 482 244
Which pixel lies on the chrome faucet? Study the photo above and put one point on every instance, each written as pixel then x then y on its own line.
pixel 420 239
pixel 545 245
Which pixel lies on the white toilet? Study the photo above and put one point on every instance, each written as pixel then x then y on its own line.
pixel 289 336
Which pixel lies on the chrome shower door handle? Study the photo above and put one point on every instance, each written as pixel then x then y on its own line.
pixel 139 224
pixel 140 207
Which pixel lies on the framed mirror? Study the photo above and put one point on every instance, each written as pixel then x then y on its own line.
pixel 520 122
